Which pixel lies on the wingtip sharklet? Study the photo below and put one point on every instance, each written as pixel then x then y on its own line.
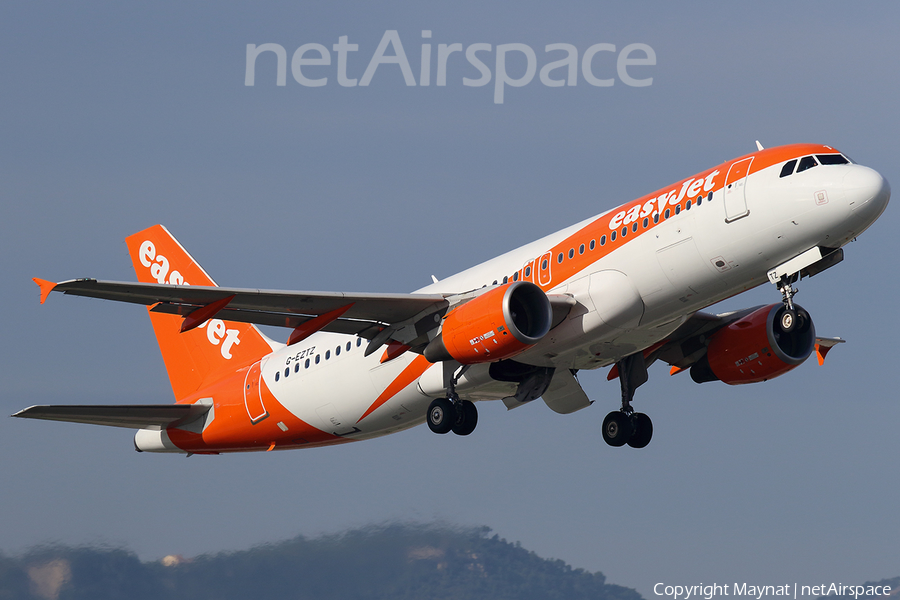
pixel 46 287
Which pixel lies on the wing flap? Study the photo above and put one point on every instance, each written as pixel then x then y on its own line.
pixel 131 416
pixel 360 327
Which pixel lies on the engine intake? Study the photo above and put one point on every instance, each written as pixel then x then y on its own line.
pixel 498 324
pixel 756 347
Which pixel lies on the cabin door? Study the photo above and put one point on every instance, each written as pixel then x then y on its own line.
pixel 735 190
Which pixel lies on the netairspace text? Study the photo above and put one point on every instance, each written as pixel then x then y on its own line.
pixel 314 65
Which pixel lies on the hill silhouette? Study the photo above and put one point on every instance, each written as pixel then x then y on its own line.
pixel 396 562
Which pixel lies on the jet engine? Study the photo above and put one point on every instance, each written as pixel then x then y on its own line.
pixel 757 347
pixel 495 325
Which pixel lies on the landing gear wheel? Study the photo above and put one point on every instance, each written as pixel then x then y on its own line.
pixel 617 428
pixel 467 418
pixel 788 320
pixel 441 415
pixel 643 430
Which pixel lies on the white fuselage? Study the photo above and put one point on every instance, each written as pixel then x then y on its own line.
pixel 628 299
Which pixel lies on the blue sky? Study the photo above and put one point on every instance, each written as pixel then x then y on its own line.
pixel 119 116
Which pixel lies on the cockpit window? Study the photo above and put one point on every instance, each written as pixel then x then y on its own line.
pixel 807 162
pixel 788 168
pixel 832 159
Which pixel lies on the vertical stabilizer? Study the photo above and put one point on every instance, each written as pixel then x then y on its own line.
pixel 215 346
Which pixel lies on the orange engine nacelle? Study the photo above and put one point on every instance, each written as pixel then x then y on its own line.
pixel 755 348
pixel 495 325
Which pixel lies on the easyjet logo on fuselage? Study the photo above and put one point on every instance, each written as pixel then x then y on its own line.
pixel 689 188
pixel 216 331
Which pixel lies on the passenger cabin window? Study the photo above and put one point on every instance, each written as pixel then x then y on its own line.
pixel 788 168
pixel 807 162
pixel 831 159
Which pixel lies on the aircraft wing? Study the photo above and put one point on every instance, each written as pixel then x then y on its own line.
pixel 132 416
pixel 362 314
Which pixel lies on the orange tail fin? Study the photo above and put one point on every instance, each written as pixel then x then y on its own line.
pixel 192 357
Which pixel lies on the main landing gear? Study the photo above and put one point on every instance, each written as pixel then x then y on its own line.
pixel 625 426
pixel 451 413
pixel 445 415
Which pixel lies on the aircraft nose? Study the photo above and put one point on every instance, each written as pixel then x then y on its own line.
pixel 866 190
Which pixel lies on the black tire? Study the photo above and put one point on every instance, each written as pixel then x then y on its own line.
pixel 467 420
pixel 643 430
pixel 617 429
pixel 788 320
pixel 441 415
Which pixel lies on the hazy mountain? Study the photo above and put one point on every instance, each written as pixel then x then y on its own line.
pixel 393 562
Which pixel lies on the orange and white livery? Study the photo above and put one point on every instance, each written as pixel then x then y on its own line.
pixel 622 290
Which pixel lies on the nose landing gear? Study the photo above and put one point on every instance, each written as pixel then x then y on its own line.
pixel 788 319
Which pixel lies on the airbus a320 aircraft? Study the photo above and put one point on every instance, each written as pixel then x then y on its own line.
pixel 622 289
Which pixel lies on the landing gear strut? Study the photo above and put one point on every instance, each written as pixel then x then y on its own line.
pixel 625 426
pixel 452 413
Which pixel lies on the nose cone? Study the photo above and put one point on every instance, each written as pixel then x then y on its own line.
pixel 867 192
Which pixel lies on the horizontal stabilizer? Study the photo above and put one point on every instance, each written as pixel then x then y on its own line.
pixel 824 345
pixel 131 416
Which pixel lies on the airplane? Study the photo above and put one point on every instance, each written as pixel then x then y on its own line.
pixel 623 289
